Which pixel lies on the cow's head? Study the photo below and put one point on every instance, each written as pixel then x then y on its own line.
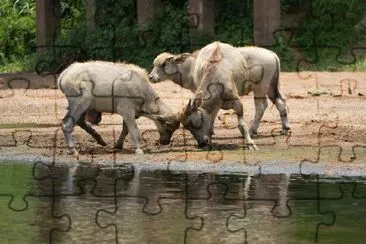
pixel 198 122
pixel 166 124
pixel 166 67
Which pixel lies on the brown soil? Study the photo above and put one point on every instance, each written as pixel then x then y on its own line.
pixel 327 114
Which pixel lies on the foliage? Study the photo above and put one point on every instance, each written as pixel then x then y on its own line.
pixel 234 22
pixel 330 25
pixel 17 30
pixel 117 36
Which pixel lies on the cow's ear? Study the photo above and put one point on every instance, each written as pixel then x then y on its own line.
pixel 181 57
pixel 196 104
pixel 168 120
pixel 167 60
pixel 161 118
pixel 197 101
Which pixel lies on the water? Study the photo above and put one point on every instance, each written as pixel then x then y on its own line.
pixel 83 204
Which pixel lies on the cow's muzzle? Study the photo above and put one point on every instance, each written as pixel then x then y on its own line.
pixel 152 79
pixel 203 142
pixel 164 141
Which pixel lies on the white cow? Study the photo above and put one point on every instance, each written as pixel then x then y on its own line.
pixel 95 87
pixel 262 78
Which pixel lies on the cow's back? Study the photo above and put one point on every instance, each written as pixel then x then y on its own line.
pixel 226 61
pixel 107 84
pixel 262 67
pixel 257 55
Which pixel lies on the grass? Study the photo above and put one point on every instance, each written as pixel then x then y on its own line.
pixel 359 66
pixel 27 63
pixel 12 67
pixel 27 125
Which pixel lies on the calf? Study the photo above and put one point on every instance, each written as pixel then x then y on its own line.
pixel 95 87
pixel 218 75
pixel 262 78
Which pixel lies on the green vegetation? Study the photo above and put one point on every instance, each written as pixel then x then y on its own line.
pixel 25 219
pixel 17 34
pixel 331 25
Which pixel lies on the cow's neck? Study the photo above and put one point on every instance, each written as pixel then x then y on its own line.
pixel 212 104
pixel 163 107
pixel 187 69
pixel 159 107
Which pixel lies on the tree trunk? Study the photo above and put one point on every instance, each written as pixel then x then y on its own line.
pixel 90 15
pixel 145 11
pixel 267 19
pixel 47 22
pixel 202 18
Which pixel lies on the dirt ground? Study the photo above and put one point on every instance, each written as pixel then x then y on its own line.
pixel 327 114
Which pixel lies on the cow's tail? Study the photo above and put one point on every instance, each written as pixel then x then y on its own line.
pixel 60 78
pixel 274 89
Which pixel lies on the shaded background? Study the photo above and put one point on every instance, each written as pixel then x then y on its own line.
pixel 324 34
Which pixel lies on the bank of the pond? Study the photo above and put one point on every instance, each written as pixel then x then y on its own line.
pixel 265 167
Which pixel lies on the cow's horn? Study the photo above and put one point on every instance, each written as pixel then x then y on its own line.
pixel 188 108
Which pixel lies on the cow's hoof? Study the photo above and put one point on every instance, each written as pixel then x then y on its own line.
pixel 102 143
pixel 139 151
pixel 284 132
pixel 253 134
pixel 252 147
pixel 74 152
pixel 118 147
pixel 207 147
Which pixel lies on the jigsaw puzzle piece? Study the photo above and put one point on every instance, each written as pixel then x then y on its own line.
pixel 348 208
pixel 127 216
pixel 139 187
pixel 7 140
pixel 89 151
pixel 60 179
pixel 338 143
pixel 16 184
pixel 89 189
pixel 22 92
pixel 23 202
pixel 37 222
pixel 154 197
pixel 289 210
pixel 232 191
pixel 304 202
pixel 41 179
pixel 265 195
pixel 234 186
pixel 263 229
pixel 214 211
pixel 82 210
pixel 17 141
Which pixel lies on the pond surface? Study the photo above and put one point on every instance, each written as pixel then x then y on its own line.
pixel 42 203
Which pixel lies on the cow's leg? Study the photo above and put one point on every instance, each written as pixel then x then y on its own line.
pixel 122 136
pixel 129 119
pixel 68 124
pixel 82 123
pixel 76 110
pixel 280 104
pixel 238 108
pixel 260 104
pixel 213 117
